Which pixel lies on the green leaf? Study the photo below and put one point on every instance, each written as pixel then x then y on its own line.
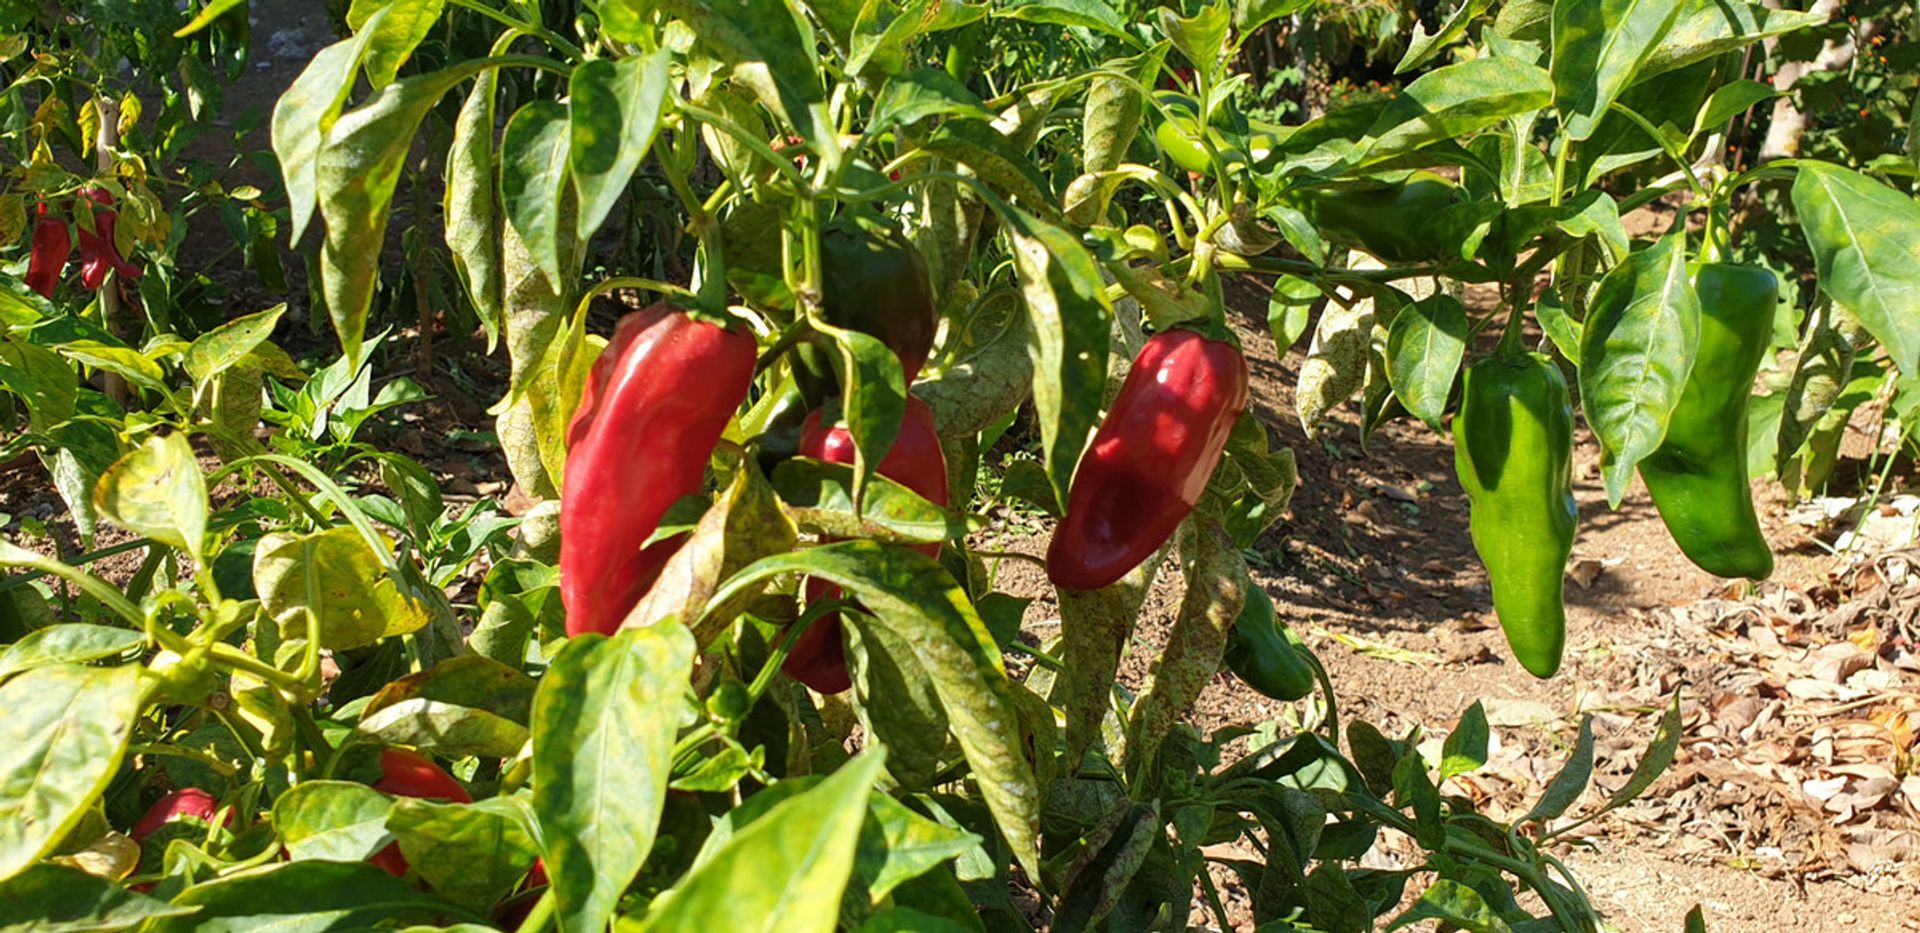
pixel 44 382
pixel 997 160
pixel 897 844
pixel 49 898
pixel 471 854
pixel 206 17
pixel 1728 101
pixel 914 95
pixel 875 399
pixel 1703 29
pixel 915 598
pixel 1636 351
pixel 1099 877
pixel 218 350
pixel 452 730
pixel 67 643
pixel 1865 238
pixel 125 362
pixel 1068 325
pixel 1425 344
pixel 336 577
pixel 786 870
pixel 880 34
pixel 1290 309
pixel 820 497
pixel 1571 781
pixel 157 491
pixel 335 821
pixel 1449 103
pixel 533 167
pixel 60 744
pixel 771 49
pixel 899 704
pixel 1096 15
pixel 1465 750
pixel 744 524
pixel 1424 46
pixel 1660 753
pixel 395 36
pixel 1455 904
pixel 308 897
pixel 1560 328
pixel 470 680
pixel 1094 626
pixel 1598 47
pixel 1202 37
pixel 1249 15
pixel 604 720
pixel 355 177
pixel 1412 787
pixel 614 111
pixel 471 205
pixel 306 113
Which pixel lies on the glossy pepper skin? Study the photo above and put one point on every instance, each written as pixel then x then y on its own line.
pixel 185 803
pixel 405 773
pixel 1513 451
pixel 1698 476
pixel 1150 459
pixel 872 281
pixel 98 254
pixel 1265 654
pixel 1387 220
pixel 47 259
pixel 818 659
pixel 655 405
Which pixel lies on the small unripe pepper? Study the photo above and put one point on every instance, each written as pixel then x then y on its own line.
pixel 1265 654
pixel 98 253
pixel 915 461
pixel 1513 451
pixel 1698 476
pixel 655 405
pixel 1150 459
pixel 872 281
pixel 406 773
pixel 48 257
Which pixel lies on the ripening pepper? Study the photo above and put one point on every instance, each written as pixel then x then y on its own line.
pixel 1150 459
pixel 818 659
pixel 1387 220
pixel 406 773
pixel 872 281
pixel 1698 476
pixel 1265 654
pixel 98 252
pixel 655 405
pixel 1513 451
pixel 47 259
pixel 187 803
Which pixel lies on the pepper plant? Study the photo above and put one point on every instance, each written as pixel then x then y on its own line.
pixel 746 665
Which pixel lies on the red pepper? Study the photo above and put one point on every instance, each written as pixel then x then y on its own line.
pixel 51 247
pixel 405 773
pixel 654 407
pixel 1151 458
pixel 98 254
pixel 186 803
pixel 915 461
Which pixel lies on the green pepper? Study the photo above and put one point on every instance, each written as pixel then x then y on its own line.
pixel 775 419
pixel 874 282
pixel 1513 451
pixel 1388 220
pixel 1266 654
pixel 1179 137
pixel 1698 476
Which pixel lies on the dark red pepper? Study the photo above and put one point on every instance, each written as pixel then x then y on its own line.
pixel 1150 459
pixel 405 773
pixel 48 259
pixel 98 254
pixel 655 405
pixel 915 461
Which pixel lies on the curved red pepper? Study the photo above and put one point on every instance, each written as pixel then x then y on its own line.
pixel 98 254
pixel 1151 458
pixel 405 773
pixel 48 259
pixel 654 407
pixel 915 461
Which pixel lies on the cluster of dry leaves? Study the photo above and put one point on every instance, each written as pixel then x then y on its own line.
pixel 1800 756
